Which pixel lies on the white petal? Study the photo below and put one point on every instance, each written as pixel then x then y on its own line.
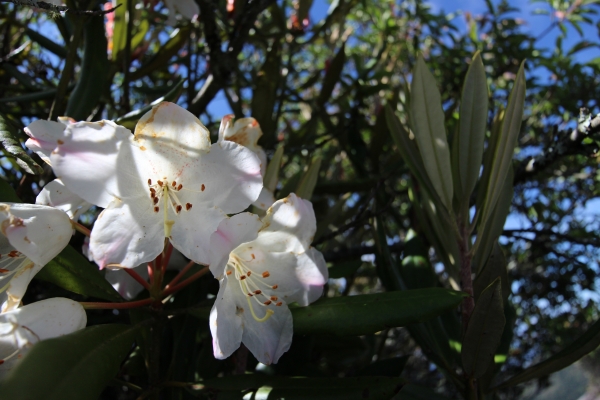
pixel 44 136
pixel 128 235
pixel 39 232
pixel 245 131
pixel 232 232
pixel 293 222
pixel 55 194
pixel 123 283
pixel 192 231
pixel 265 199
pixel 95 162
pixel 15 290
pixel 46 319
pixel 225 323
pixel 230 176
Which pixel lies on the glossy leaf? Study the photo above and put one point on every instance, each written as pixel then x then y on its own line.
pixel 370 313
pixel 471 133
pixel 13 147
pixel 503 154
pixel 427 121
pixel 484 331
pixel 94 71
pixel 585 344
pixel 278 387
pixel 71 271
pixel 495 267
pixel 71 367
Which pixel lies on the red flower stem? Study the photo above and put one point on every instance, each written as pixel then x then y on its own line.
pixel 118 306
pixel 167 257
pixel 151 273
pixel 138 278
pixel 180 274
pixel 186 282
pixel 80 228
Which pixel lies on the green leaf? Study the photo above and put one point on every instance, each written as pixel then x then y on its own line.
pixel 585 344
pixel 494 268
pixel 75 366
pixel 7 193
pixel 415 392
pixel 178 38
pixel 279 387
pixel 370 313
pixel 484 331
pixel 272 173
pixel 343 269
pixel 264 93
pixel 130 119
pixel 503 154
pixel 119 39
pixel 309 180
pixel 46 43
pixel 71 271
pixel 13 147
pixel 391 367
pixel 427 121
pixel 93 79
pixel 471 133
pixel 332 76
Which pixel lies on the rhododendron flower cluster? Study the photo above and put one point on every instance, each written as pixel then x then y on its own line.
pixel 161 187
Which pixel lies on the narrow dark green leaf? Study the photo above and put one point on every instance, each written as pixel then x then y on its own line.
pixel 178 38
pixel 427 121
pixel 309 180
pixel 484 331
pixel 415 392
pixel 119 38
pixel 503 154
pixel 13 147
pixel 494 267
pixel 471 134
pixel 71 271
pixel 129 120
pixel 46 43
pixel 279 387
pixel 71 367
pixel 332 76
pixel 585 344
pixel 7 193
pixel 33 96
pixel 92 82
pixel 272 173
pixel 264 92
pixel 370 313
pixel 342 269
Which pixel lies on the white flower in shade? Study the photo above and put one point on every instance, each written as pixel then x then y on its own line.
pixel 246 131
pixel 188 9
pixel 166 181
pixel 261 268
pixel 20 329
pixel 55 194
pixel 44 136
pixel 124 284
pixel 32 235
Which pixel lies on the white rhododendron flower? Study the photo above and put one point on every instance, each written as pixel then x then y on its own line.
pixel 32 235
pixel 246 131
pixel 20 329
pixel 262 267
pixel 188 9
pixel 166 181
pixel 44 136
pixel 55 194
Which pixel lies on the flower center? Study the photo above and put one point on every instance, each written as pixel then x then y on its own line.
pixel 10 265
pixel 166 192
pixel 257 287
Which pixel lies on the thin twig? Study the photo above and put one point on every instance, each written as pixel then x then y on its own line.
pixel 52 8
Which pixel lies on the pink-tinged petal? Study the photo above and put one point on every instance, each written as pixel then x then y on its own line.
pixel 127 234
pixel 55 194
pixel 225 323
pixel 39 232
pixel 95 162
pixel 232 232
pixel 293 217
pixel 123 283
pixel 227 177
pixel 44 137
pixel 172 133
pixel 265 199
pixel 312 279
pixel 192 231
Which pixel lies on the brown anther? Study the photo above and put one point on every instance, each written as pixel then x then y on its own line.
pixel 156 209
pixel 178 209
pixel 174 184
pixel 274 287
pixel 202 187
pixel 242 277
pixel 266 303
pixel 188 206
pixel 160 183
pixel 249 273
pixel 3 271
pixel 253 256
pixel 179 187
pixel 250 295
pixel 279 304
pixel 274 298
pixel 149 181
pixel 1 362
pixel 266 274
pixel 229 272
pixel 155 199
pixel 13 253
pixel 153 191
pixel 258 291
